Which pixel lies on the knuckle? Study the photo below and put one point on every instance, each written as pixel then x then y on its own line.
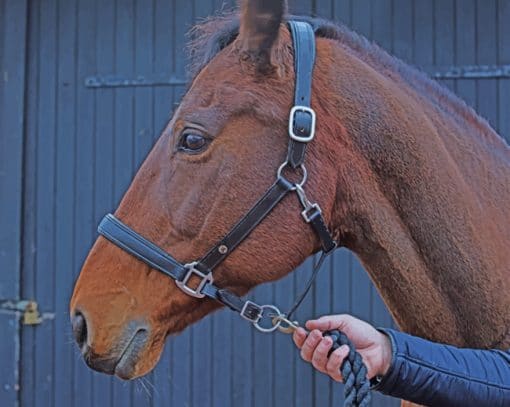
pixel 326 343
pixel 319 360
pixel 315 335
pixel 335 357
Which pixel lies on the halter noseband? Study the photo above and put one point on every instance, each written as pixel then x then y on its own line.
pixel 301 132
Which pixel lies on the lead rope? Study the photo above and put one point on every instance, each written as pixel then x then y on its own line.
pixel 354 372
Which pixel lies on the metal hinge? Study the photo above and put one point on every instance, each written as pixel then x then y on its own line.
pixel 28 310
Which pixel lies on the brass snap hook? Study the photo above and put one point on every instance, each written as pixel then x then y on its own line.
pixel 285 325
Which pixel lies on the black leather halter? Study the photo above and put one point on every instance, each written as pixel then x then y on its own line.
pixel 301 132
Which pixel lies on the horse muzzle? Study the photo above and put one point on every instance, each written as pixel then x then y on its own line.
pixel 119 358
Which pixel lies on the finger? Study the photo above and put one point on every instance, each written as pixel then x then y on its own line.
pixel 329 322
pixel 310 344
pixel 299 337
pixel 335 362
pixel 320 355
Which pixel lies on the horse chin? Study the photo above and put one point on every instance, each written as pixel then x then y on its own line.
pixel 126 366
pixel 139 357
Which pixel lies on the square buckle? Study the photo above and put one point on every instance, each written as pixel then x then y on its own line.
pixel 248 310
pixel 310 212
pixel 311 134
pixel 204 279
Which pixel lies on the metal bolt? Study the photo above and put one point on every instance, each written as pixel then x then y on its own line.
pixel 223 249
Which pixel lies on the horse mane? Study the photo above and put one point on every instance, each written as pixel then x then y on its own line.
pixel 215 33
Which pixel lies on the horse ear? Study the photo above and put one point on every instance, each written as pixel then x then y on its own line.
pixel 258 31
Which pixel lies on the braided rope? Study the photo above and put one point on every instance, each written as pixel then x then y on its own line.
pixel 354 373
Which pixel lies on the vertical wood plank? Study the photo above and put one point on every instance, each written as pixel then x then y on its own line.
pixel 64 200
pixel 12 93
pixel 45 228
pixel 243 378
pixel 222 339
pixel 13 42
pixel 30 201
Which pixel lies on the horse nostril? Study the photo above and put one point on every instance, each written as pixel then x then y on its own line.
pixel 79 328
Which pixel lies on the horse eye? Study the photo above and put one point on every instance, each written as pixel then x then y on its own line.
pixel 192 142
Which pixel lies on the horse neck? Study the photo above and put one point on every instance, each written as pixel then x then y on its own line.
pixel 431 231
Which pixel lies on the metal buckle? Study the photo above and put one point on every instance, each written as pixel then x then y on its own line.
pixel 294 136
pixel 260 314
pixel 246 307
pixel 205 279
pixel 306 213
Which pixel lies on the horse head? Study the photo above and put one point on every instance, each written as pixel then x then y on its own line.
pixel 215 158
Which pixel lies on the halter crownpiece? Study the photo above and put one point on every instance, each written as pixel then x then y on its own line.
pixel 301 131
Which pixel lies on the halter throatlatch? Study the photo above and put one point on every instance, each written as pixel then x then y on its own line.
pixel 301 130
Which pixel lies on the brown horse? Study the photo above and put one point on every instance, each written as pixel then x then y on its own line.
pixel 409 178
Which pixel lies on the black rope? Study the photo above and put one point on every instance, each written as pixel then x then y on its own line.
pixel 354 372
pixel 308 285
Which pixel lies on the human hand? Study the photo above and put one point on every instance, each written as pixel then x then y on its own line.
pixel 373 346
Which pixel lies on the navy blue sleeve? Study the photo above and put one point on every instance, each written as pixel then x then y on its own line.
pixel 440 375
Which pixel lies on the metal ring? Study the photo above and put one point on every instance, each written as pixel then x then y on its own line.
pixel 301 166
pixel 275 326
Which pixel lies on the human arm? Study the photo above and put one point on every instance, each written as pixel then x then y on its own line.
pixel 416 370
